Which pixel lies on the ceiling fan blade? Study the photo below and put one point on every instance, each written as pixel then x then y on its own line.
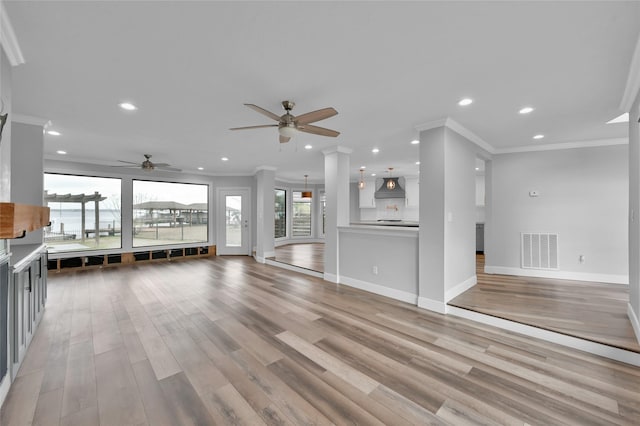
pixel 171 169
pixel 284 139
pixel 308 128
pixel 313 116
pixel 128 162
pixel 254 127
pixel 264 111
pixel 133 166
pixel 161 164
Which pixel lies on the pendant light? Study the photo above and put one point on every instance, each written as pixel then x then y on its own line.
pixel 391 184
pixel 361 184
pixel 306 193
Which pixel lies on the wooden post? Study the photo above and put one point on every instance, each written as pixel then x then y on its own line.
pixel 83 226
pixel 97 214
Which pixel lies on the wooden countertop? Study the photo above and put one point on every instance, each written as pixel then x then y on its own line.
pixel 18 219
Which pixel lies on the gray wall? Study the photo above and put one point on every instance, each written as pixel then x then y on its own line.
pixel 583 198
pixel 5 144
pixel 27 144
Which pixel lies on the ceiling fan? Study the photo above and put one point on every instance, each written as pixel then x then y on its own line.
pixel 288 124
pixel 148 165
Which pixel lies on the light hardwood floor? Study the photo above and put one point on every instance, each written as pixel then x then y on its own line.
pixel 587 310
pixel 226 340
pixel 305 255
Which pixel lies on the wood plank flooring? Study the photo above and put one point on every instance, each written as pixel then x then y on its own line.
pixel 587 310
pixel 305 255
pixel 226 340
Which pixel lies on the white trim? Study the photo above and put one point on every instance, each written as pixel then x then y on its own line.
pixel 381 290
pixel 267 168
pixel 269 254
pixel 562 275
pixel 29 119
pixel 294 268
pixel 633 81
pixel 458 128
pixel 610 352
pixel 332 278
pixel 433 305
pixel 5 385
pixel 460 288
pixel 8 39
pixel 565 145
pixel 389 231
pixel 337 148
pixel 635 323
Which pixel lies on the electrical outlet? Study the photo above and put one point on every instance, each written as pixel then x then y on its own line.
pixel 375 270
pixel 581 258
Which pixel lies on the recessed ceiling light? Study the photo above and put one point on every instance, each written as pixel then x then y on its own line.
pixel 477 168
pixel 308 147
pixel 525 110
pixel 538 136
pixel 375 150
pixel 225 159
pixel 373 174
pixel 53 133
pixel 363 167
pixel 623 118
pixel 417 163
pixel 200 168
pixel 465 102
pixel 61 152
pixel 415 142
pixel 128 106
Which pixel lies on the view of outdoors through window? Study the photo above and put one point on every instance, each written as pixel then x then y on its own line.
pixel 85 213
pixel 301 221
pixel 169 213
pixel 280 213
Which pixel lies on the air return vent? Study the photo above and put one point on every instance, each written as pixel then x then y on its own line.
pixel 539 251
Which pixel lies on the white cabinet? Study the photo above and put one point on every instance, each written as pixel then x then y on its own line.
pixel 367 200
pixel 412 191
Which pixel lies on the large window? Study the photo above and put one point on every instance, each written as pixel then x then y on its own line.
pixel 169 213
pixel 280 229
pixel 85 213
pixel 301 221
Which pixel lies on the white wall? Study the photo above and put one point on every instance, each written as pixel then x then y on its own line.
pixel 583 197
pixel 634 216
pixel 480 202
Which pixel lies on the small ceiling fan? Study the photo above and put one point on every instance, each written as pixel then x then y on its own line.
pixel 148 165
pixel 288 124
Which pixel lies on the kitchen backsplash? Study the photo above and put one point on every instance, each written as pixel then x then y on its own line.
pixel 390 209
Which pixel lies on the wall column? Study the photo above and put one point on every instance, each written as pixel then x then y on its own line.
pixel 265 209
pixel 447 217
pixel 336 180
pixel 633 310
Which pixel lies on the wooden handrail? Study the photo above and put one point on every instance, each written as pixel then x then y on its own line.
pixel 18 219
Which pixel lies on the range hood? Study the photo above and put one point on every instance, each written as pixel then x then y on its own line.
pixel 385 192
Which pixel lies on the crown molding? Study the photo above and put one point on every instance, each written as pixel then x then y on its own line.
pixel 266 168
pixel 29 119
pixel 338 148
pixel 633 81
pixel 566 145
pixel 458 128
pixel 8 39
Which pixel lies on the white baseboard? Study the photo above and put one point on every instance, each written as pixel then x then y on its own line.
pixel 258 258
pixel 332 278
pixel 561 275
pixel 460 288
pixel 5 385
pixel 432 305
pixel 634 321
pixel 610 352
pixel 392 293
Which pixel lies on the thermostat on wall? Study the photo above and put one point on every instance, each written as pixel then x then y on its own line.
pixel 534 193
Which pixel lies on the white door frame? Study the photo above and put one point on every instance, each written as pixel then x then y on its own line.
pixel 245 248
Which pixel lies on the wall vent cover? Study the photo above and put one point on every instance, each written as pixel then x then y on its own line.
pixel 539 251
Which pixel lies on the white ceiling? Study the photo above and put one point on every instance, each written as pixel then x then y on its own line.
pixel 385 66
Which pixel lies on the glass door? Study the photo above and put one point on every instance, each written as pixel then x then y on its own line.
pixel 233 222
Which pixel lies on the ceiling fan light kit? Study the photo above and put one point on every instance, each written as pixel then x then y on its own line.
pixel 289 125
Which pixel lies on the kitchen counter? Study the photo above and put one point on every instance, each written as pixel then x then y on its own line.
pixel 401 223
pixel 23 254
